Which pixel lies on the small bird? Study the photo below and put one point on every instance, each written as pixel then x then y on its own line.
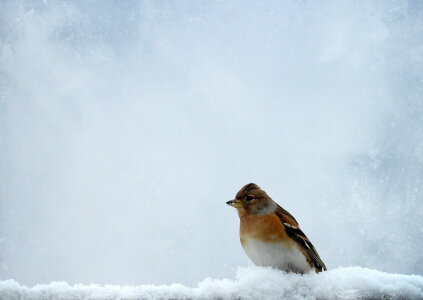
pixel 271 236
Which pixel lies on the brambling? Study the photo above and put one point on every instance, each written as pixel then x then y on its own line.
pixel 271 236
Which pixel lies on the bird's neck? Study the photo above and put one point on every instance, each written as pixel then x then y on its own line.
pixel 262 210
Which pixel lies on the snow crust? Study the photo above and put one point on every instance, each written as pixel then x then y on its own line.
pixel 250 283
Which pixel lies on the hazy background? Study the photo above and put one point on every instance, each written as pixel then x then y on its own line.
pixel 126 126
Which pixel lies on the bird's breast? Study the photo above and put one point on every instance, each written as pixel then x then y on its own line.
pixel 266 243
pixel 266 228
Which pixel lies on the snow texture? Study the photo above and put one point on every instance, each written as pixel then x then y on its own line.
pixel 250 283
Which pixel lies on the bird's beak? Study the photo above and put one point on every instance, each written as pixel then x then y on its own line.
pixel 235 203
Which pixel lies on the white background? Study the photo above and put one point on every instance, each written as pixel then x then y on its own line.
pixel 126 126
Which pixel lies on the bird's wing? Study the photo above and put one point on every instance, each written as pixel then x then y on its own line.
pixel 293 230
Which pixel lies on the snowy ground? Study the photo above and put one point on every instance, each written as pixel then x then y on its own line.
pixel 250 283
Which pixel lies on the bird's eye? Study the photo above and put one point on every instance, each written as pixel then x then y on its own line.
pixel 249 198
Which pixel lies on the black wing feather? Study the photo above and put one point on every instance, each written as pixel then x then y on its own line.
pixel 298 235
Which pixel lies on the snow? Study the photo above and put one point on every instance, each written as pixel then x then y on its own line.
pixel 250 283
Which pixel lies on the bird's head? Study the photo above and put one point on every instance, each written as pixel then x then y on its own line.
pixel 253 200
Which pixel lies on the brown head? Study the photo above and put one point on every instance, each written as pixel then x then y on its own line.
pixel 253 200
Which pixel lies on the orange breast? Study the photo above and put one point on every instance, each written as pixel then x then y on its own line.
pixel 267 228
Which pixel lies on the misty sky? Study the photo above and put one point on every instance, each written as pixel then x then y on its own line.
pixel 126 126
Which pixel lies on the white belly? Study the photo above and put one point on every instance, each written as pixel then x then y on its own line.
pixel 276 255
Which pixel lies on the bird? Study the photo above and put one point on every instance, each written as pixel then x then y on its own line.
pixel 270 235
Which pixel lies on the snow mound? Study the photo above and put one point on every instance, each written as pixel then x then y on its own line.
pixel 250 283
